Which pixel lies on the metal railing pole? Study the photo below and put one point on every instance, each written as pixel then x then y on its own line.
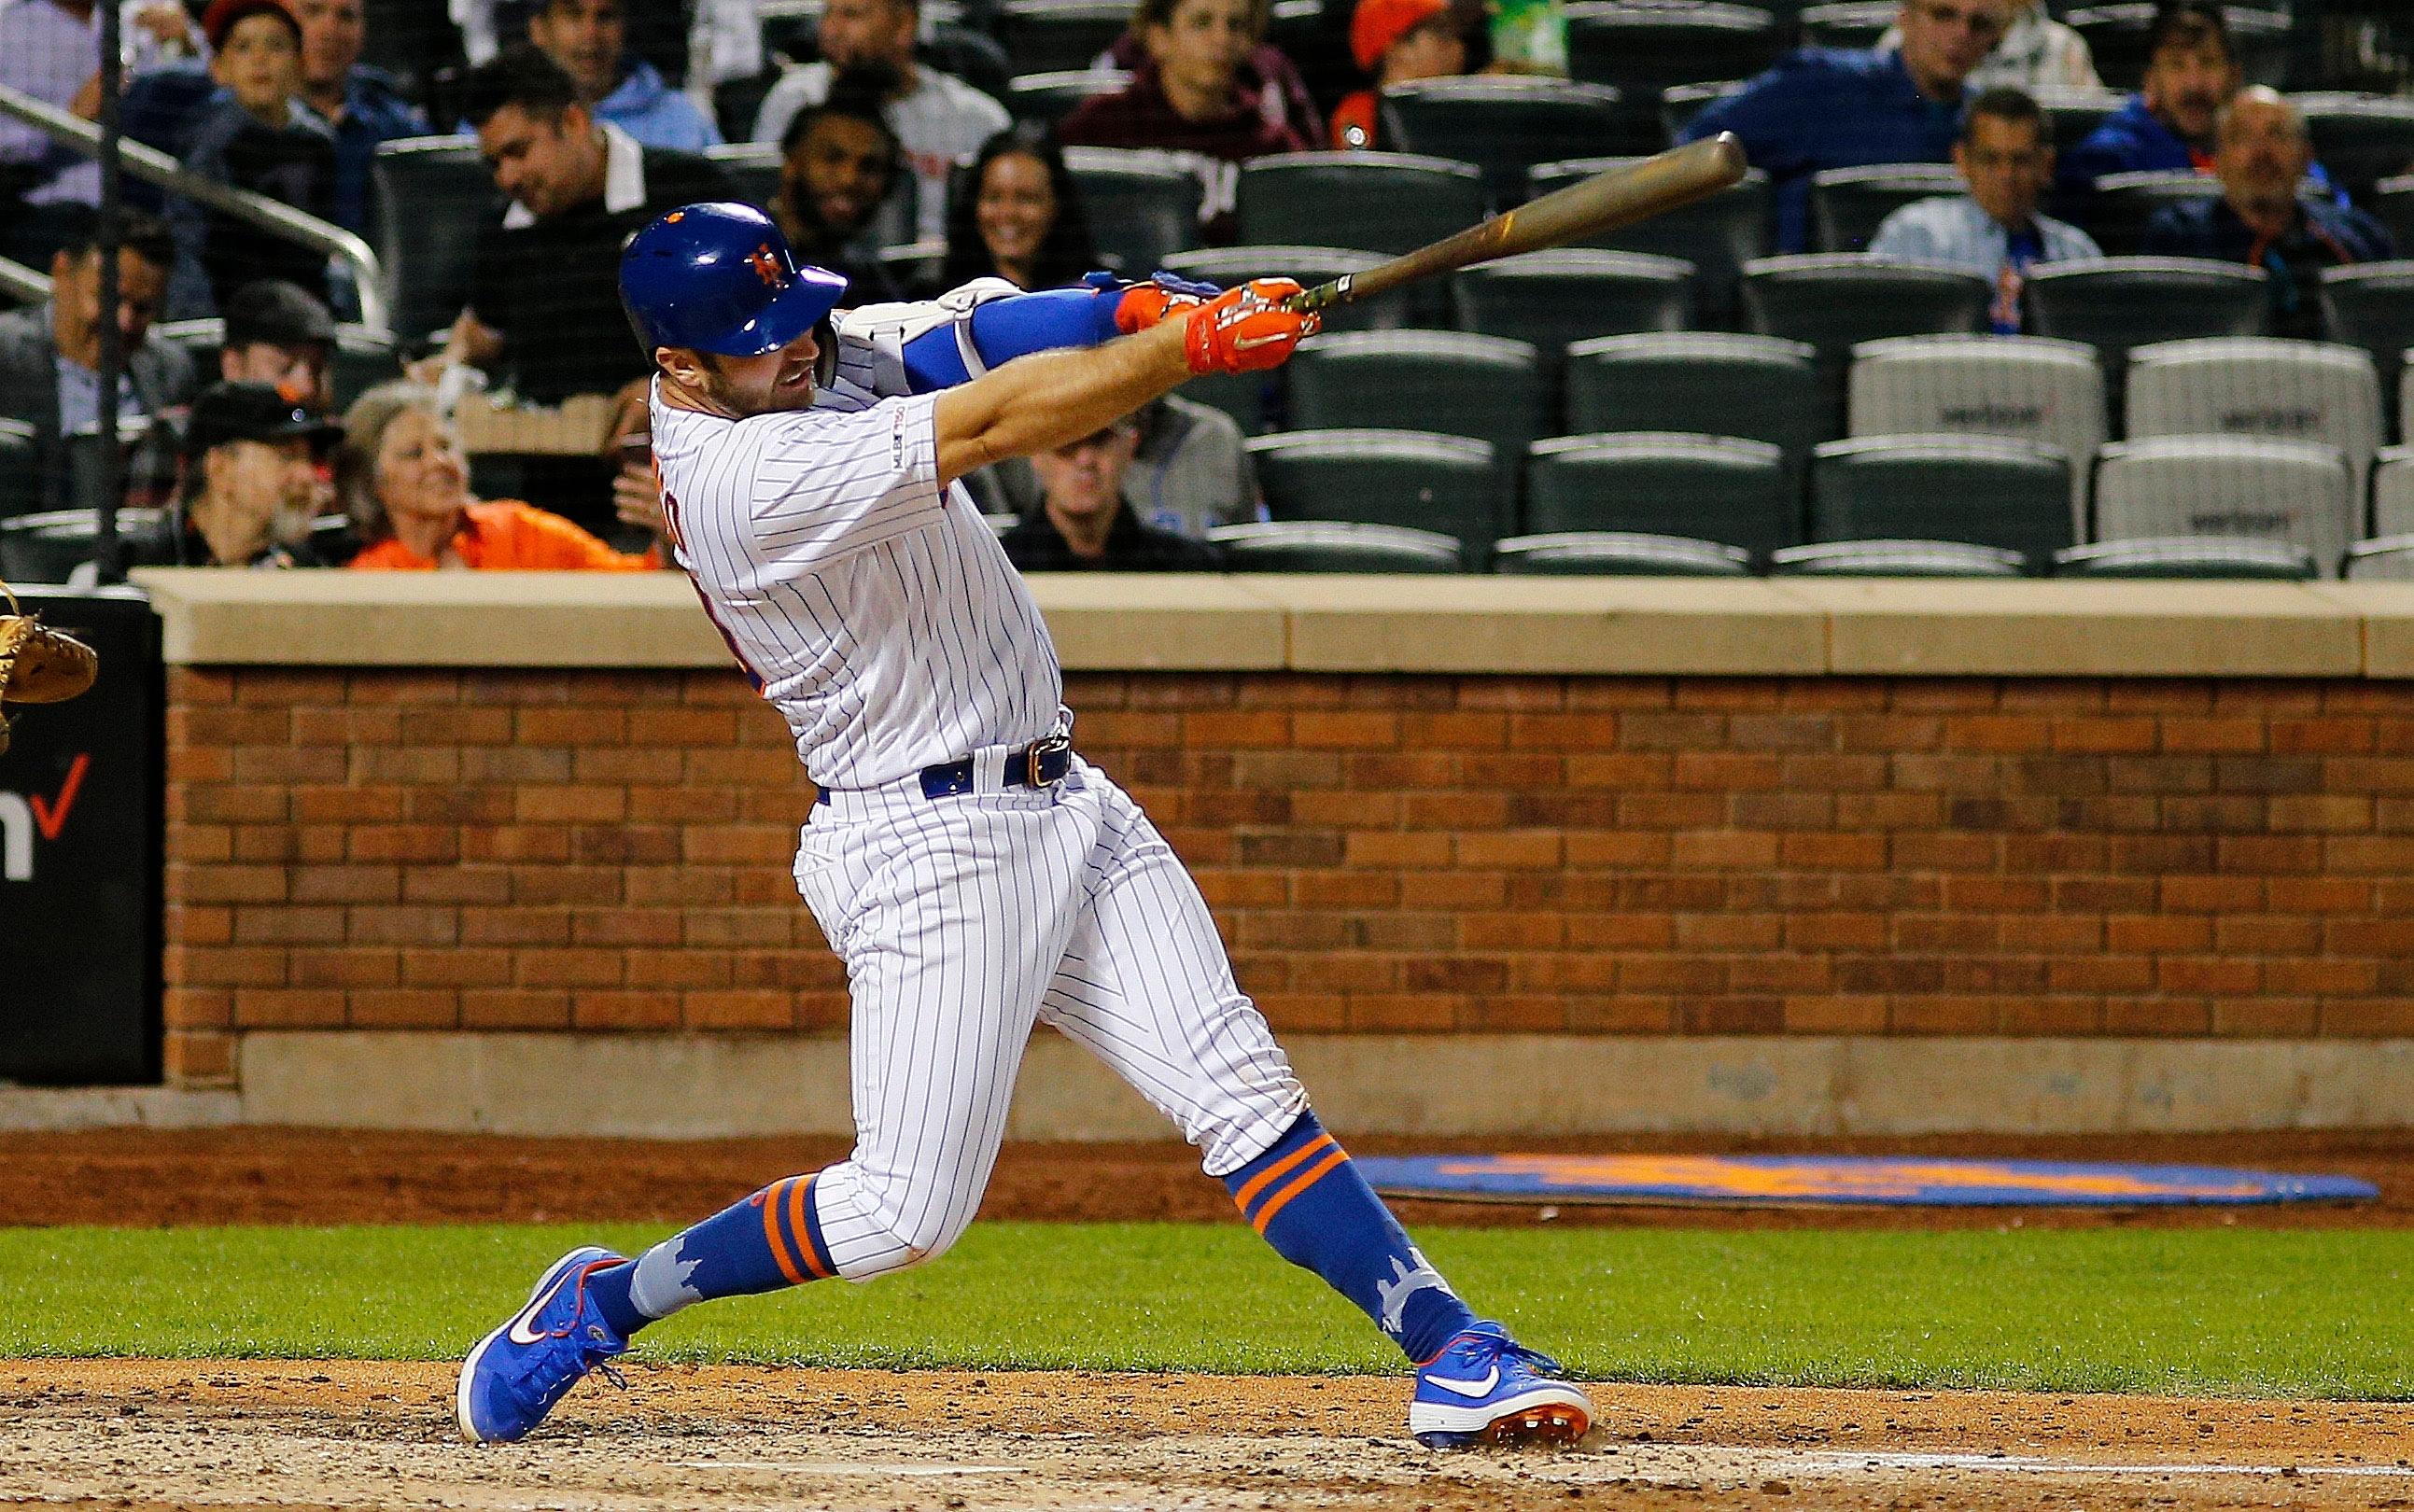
pixel 108 549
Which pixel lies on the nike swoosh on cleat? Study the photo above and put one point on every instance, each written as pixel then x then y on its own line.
pixel 1468 1389
pixel 519 1331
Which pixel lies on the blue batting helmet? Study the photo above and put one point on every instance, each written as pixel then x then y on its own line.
pixel 721 278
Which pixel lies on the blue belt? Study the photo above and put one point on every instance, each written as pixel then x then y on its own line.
pixel 1036 766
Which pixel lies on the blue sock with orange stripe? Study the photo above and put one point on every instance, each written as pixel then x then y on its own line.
pixel 1307 1198
pixel 770 1241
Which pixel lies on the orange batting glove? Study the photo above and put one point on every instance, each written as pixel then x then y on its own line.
pixel 1141 305
pixel 1247 329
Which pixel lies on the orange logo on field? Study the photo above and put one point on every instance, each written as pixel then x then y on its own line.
pixel 766 264
pixel 1811 1179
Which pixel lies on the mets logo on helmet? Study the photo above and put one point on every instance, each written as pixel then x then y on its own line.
pixel 766 264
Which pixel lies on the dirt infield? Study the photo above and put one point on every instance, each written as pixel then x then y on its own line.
pixel 294 1436
pixel 147 1178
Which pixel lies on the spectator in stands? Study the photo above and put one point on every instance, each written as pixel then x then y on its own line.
pixel 1395 41
pixel 1190 472
pixel 2036 53
pixel 941 120
pixel 1822 109
pixel 838 163
pixel 254 134
pixel 252 484
pixel 1018 216
pixel 589 39
pixel 2006 155
pixel 405 484
pixel 361 106
pixel 1187 97
pixel 636 488
pixel 1083 523
pixel 2168 126
pixel 2261 153
pixel 544 301
pixel 50 356
pixel 277 335
pixel 1267 74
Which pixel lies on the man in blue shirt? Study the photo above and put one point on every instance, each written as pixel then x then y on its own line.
pixel 360 105
pixel 1822 109
pixel 589 39
pixel 2006 155
pixel 2260 219
pixel 2168 126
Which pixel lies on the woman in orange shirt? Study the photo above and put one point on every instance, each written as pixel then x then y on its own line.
pixel 406 484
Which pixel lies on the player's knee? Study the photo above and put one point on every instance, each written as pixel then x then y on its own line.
pixel 919 1233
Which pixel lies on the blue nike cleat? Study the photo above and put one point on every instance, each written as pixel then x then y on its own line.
pixel 1485 1388
pixel 518 1373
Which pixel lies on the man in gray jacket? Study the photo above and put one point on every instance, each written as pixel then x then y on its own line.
pixel 2006 155
pixel 49 360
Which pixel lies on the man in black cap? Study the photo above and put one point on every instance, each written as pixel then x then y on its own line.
pixel 251 481
pixel 278 334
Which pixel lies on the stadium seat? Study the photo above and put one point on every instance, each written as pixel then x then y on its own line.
pixel 2188 556
pixel 20 481
pixel 753 167
pixel 2287 391
pixel 1058 36
pixel 1718 235
pixel 2120 303
pixel 48 546
pixel 1854 23
pixel 1983 490
pixel 433 193
pixel 2392 201
pixel 1506 123
pixel 1707 488
pixel 2392 493
pixel 1297 546
pixel 2372 306
pixel 2075 113
pixel 2027 388
pixel 1049 98
pixel 1387 202
pixel 972 56
pixel 1836 300
pixel 1254 400
pixel 1553 298
pixel 1897 558
pixel 1418 480
pixel 1450 381
pixel 2360 139
pixel 1707 382
pixel 1618 553
pixel 1228 266
pixel 2193 486
pixel 2381 559
pixel 2116 36
pixel 1848 204
pixel 1680 103
pixel 1143 204
pixel 2116 215
pixel 1640 50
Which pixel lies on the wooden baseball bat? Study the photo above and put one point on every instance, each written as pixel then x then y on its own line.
pixel 1617 196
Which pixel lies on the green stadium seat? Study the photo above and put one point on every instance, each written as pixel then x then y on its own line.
pixel 753 167
pixel 1718 235
pixel 1707 488
pixel 433 195
pixel 1707 382
pixel 1143 204
pixel 1049 98
pixel 1058 36
pixel 1835 300
pixel 2117 213
pixel 2119 303
pixel 2075 113
pixel 2372 306
pixel 1848 204
pixel 1618 553
pixel 1387 202
pixel 2192 556
pixel 1680 104
pixel 1640 50
pixel 49 546
pixel 2360 139
pixel 1982 490
pixel 1505 125
pixel 1451 485
pixel 1553 298
pixel 1897 558
pixel 1294 546
pixel 1450 381
pixel 1853 24
pixel 21 479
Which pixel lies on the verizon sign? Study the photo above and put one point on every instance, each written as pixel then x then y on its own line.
pixel 80 859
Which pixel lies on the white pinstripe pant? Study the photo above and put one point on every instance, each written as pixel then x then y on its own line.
pixel 964 921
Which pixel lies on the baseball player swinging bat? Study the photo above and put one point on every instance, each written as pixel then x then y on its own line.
pixel 1608 199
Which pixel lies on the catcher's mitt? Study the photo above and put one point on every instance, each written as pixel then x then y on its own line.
pixel 39 665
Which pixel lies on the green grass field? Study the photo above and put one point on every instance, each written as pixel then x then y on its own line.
pixel 2223 1311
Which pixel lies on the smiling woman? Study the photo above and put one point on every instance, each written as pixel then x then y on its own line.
pixel 406 485
pixel 1017 216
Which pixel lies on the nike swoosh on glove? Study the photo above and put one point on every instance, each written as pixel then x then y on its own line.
pixel 1248 329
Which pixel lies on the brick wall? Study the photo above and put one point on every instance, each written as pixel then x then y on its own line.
pixel 610 850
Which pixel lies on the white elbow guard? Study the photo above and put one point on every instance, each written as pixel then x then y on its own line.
pixel 887 327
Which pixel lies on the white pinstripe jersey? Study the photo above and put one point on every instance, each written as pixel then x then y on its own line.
pixel 874 607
